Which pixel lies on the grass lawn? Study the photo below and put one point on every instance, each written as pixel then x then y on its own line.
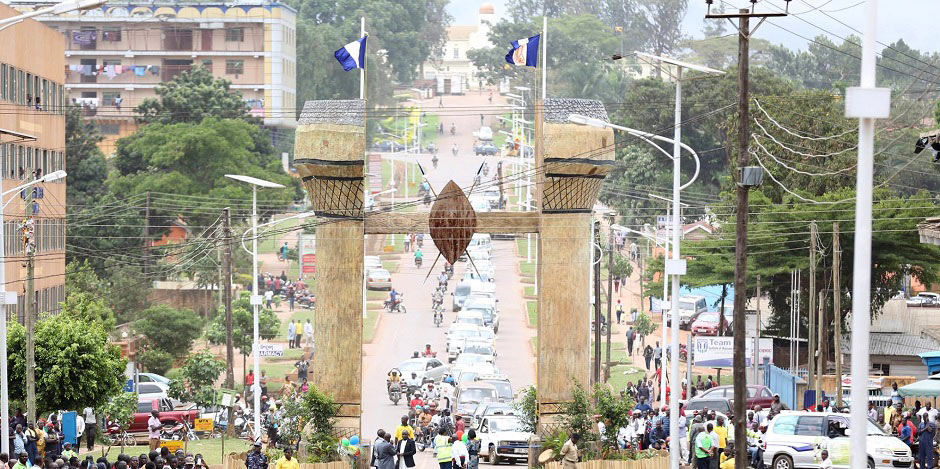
pixel 532 309
pixel 268 242
pixel 276 370
pixel 522 244
pixel 527 269
pixel 369 324
pixel 529 291
pixel 391 266
pixel 621 374
pixel 373 295
pixel 300 314
pixel 209 448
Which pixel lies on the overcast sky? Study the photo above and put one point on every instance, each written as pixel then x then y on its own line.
pixel 911 20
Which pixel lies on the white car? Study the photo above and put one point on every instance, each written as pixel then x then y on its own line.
pixel 151 390
pixel 152 378
pixel 493 198
pixel 795 439
pixel 485 134
pixel 924 299
pixel 456 336
pixel 469 317
pixel 370 263
pixel 379 279
pixel 424 368
pixel 502 439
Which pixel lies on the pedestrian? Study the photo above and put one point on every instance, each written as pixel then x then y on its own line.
pixel 631 334
pixel 473 448
pixel 291 333
pixel 458 451
pixel 283 251
pixel 658 355
pixel 286 462
pixel 21 461
pixel 569 452
pixel 256 459
pixel 302 366
pixel 617 287
pixel 385 453
pixel 648 356
pixel 704 448
pixel 633 313
pixel 290 302
pixel 619 311
pixel 32 438
pixel 926 433
pixel 308 334
pixel 481 120
pixel 406 452
pixel 153 426
pixel 269 299
pixel 443 447
pixel 91 427
pixel 379 436
pixel 19 440
pixel 263 382
pixel 407 243
pixel 53 440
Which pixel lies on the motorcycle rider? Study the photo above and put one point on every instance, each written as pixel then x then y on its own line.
pixel 442 280
pixel 418 257
pixel 416 401
pixel 427 351
pixel 437 298
pixel 394 377
pixel 453 149
pixel 432 394
pixel 392 299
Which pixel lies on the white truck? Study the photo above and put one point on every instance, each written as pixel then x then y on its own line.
pixel 502 439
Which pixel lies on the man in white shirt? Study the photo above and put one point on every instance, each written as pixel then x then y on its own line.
pixel 269 299
pixel 458 451
pixel 153 428
pixel 873 412
pixel 91 427
pixel 308 334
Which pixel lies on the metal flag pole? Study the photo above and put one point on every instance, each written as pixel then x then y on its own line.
pixel 543 43
pixel 362 71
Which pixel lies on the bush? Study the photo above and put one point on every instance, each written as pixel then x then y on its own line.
pixel 169 329
pixel 155 361
pixel 577 413
pixel 197 376
pixel 526 408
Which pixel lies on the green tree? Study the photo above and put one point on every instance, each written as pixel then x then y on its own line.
pixel 577 413
pixel 155 360
pixel 120 410
pixel 243 326
pixel 86 165
pixel 526 407
pixel 197 379
pixel 191 97
pixel 169 329
pixel 643 325
pixel 662 22
pixel 192 159
pixel 88 308
pixel 613 410
pixel 77 365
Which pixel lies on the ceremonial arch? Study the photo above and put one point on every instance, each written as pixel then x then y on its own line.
pixel 571 163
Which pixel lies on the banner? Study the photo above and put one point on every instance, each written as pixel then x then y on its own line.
pixel 718 352
pixel 271 350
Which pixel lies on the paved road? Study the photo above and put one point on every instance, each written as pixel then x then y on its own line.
pixel 400 335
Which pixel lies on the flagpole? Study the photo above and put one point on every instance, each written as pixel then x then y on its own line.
pixel 362 71
pixel 544 45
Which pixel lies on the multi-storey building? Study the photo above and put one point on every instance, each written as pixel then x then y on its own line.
pixel 32 143
pixel 117 54
pixel 453 71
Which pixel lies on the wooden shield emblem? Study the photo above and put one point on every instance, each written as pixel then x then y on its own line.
pixel 452 222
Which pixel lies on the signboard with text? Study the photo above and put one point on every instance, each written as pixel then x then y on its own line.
pixel 375 168
pixel 718 352
pixel 307 247
pixel 271 350
pixel 202 425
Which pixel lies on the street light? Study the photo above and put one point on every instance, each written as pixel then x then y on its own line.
pixel 58 9
pixel 255 298
pixel 9 298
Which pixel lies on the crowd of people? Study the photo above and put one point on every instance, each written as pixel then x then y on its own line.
pixel 280 286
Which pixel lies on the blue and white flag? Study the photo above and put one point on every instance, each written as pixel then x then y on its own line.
pixel 352 55
pixel 524 52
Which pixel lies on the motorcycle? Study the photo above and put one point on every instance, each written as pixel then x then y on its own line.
pixel 449 270
pixel 178 432
pixel 394 393
pixel 398 307
pixel 683 352
pixel 453 129
pixel 434 161
pixel 418 261
pixel 438 316
pixel 425 437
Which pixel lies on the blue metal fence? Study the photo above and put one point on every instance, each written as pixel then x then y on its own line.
pixel 781 382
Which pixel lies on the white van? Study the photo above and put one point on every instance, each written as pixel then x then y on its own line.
pixel 480 240
pixel 689 309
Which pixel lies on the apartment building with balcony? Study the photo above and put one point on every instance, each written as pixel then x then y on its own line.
pixel 117 54
pixel 32 143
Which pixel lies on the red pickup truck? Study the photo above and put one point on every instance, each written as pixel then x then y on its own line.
pixel 168 415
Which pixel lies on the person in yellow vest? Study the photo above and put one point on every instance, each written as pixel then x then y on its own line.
pixel 287 461
pixel 443 447
pixel 722 432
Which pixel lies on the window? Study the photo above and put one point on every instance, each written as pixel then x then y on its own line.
pixel 885 368
pixel 785 425
pixel 29 89
pixel 87 38
pixel 106 62
pixel 109 129
pixel 456 52
pixel 234 67
pixel 810 426
pixel 3 81
pixel 108 98
pixel 178 39
pixel 20 87
pixel 89 68
pixel 111 34
pixel 235 35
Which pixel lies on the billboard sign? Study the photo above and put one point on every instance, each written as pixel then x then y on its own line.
pixel 718 352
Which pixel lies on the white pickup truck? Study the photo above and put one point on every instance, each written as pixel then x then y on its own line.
pixel 502 439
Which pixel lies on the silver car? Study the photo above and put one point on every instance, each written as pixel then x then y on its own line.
pixel 795 439
pixel 425 368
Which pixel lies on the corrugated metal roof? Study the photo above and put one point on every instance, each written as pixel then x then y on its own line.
pixel 896 344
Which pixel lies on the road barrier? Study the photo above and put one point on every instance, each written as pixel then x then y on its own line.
pixel 661 462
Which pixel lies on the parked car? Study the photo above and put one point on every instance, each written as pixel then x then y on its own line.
pixel 489 408
pixel 485 149
pixel 168 415
pixel 461 293
pixel 794 440
pixel 689 308
pixel 152 390
pixel 924 299
pixel 388 146
pixel 709 323
pixel 757 395
pixel 488 307
pixel 469 394
pixel 502 384
pixel 371 262
pixel 379 279
pixel 456 336
pixel 718 404
pixel 485 134
pixel 502 439
pixel 429 368
pixel 494 198
pixel 152 378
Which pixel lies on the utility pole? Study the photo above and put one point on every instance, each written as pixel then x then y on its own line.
pixel 837 310
pixel 147 235
pixel 756 357
pixel 28 301
pixel 610 292
pixel 821 345
pixel 811 325
pixel 743 185
pixel 597 303
pixel 227 289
